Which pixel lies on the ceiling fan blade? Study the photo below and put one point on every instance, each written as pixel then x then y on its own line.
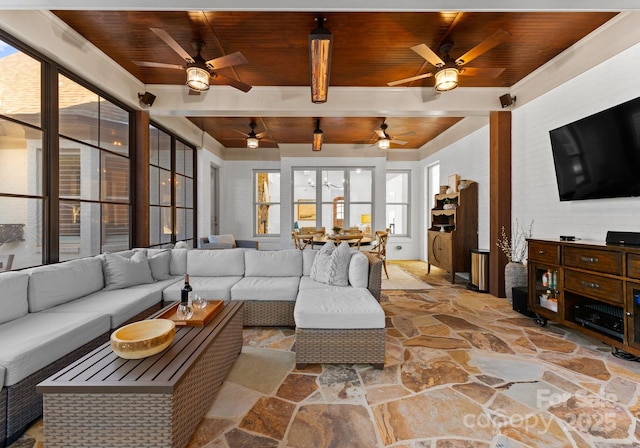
pixel 236 58
pixel 243 133
pixel 381 133
pixel 399 142
pixel 496 38
pixel 428 54
pixel 234 83
pixel 482 72
pixel 413 78
pixel 158 65
pixel 175 46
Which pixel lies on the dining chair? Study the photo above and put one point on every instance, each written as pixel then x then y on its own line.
pixel 301 241
pixel 352 239
pixel 312 231
pixel 380 249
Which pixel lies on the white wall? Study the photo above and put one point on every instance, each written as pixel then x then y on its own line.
pixel 205 160
pixel 468 157
pixel 535 192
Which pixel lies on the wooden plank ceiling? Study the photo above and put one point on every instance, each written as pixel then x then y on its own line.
pixel 370 50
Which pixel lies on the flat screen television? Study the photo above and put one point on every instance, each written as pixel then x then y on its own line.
pixel 599 156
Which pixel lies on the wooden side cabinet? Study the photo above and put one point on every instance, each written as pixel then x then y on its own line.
pixel 595 289
pixel 454 230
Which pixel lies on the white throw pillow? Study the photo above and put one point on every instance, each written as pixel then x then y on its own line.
pixel 122 272
pixel 159 264
pixel 331 265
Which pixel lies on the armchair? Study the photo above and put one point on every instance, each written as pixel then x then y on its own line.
pixel 228 241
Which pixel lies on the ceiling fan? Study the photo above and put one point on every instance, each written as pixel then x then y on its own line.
pixel 448 69
pixel 198 70
pixel 253 139
pixel 385 140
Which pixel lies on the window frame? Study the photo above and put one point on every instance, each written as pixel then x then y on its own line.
pixel 257 203
pixel 174 208
pixel 347 203
pixel 406 204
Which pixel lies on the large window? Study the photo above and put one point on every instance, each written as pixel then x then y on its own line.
pixel 22 198
pixel 398 202
pixel 333 198
pixel 267 202
pixel 171 189
pixel 94 167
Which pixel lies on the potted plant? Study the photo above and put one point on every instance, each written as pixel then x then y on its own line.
pixel 515 249
pixel 336 230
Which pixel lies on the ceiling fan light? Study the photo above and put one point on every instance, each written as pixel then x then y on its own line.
pixel 318 135
pixel 384 143
pixel 320 41
pixel 252 142
pixel 198 78
pixel 447 79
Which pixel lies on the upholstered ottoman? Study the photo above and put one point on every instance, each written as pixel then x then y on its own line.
pixel 339 325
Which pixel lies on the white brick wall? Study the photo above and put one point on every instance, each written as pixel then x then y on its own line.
pixel 535 192
pixel 469 157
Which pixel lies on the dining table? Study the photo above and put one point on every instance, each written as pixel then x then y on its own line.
pixel 320 240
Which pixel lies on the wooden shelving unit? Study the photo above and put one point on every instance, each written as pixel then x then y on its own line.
pixel 454 231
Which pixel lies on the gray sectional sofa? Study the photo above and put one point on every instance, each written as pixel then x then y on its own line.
pixel 54 314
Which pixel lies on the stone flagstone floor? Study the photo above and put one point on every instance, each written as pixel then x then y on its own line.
pixel 462 371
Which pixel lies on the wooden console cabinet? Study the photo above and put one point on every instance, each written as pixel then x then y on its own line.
pixel 594 288
pixel 454 231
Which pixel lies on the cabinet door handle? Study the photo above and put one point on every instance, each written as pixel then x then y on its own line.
pixel 590 285
pixel 541 252
pixel 589 259
pixel 629 314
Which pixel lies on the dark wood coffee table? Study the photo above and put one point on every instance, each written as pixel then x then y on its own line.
pixel 102 400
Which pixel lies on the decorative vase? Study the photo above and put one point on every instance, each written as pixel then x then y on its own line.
pixel 515 274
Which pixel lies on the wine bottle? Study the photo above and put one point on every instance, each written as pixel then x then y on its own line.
pixel 186 294
pixel 185 310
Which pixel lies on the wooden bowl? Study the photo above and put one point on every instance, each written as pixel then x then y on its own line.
pixel 142 339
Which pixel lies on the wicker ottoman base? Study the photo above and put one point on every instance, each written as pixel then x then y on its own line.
pixel 3 416
pixel 328 346
pixel 269 313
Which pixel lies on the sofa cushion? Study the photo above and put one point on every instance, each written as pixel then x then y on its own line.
pixel 307 282
pixel 55 284
pixel 215 263
pixel 273 263
pixel 358 270
pixel 211 288
pixel 266 288
pixel 159 263
pixel 121 304
pixel 123 271
pixel 223 239
pixel 331 265
pixel 178 265
pixel 36 340
pixel 338 308
pixel 307 260
pixel 13 295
